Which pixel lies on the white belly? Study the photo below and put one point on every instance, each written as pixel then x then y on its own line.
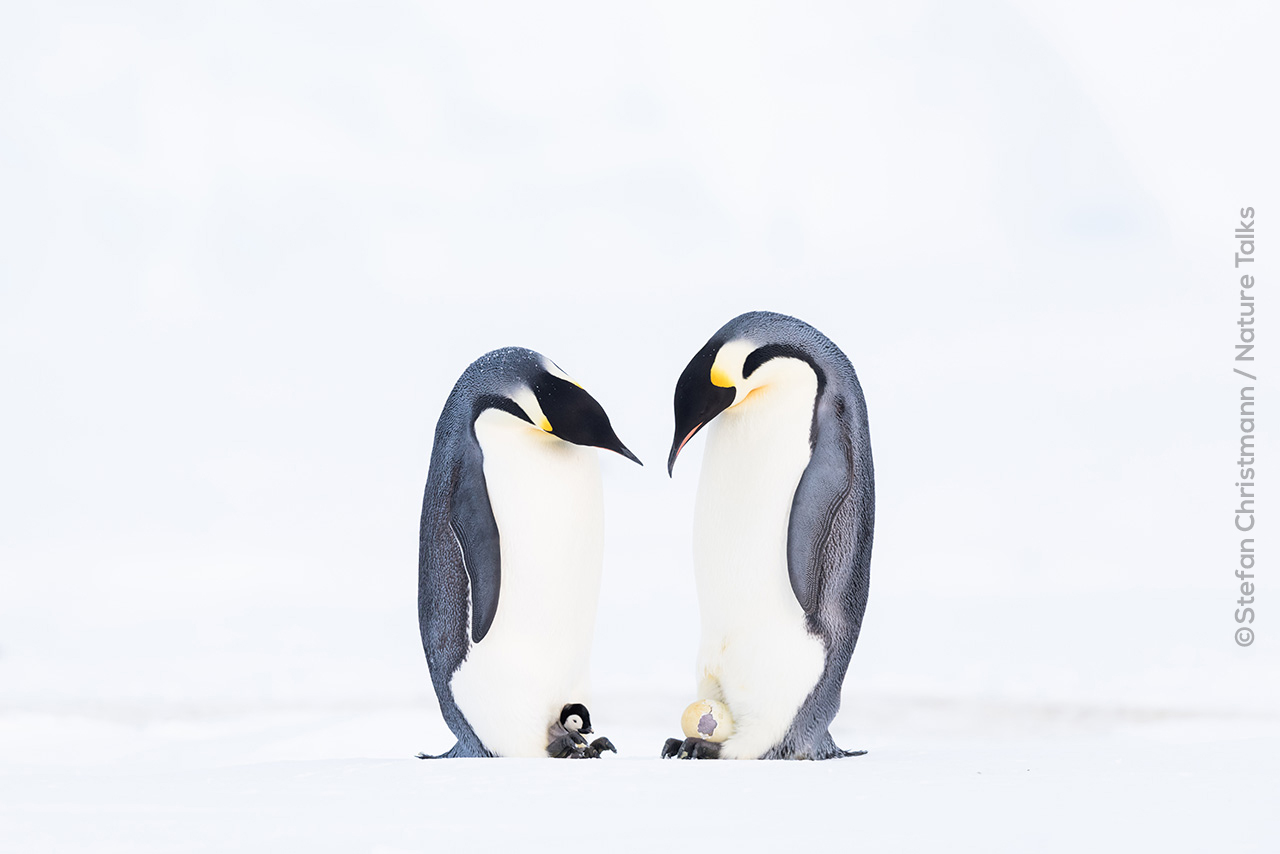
pixel 756 654
pixel 547 499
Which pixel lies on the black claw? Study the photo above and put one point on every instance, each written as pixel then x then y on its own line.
pixel 690 748
pixel 425 756
pixel 599 746
pixel 699 748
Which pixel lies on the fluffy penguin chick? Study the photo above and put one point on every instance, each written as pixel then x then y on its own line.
pixel 510 550
pixel 782 532
pixel 565 735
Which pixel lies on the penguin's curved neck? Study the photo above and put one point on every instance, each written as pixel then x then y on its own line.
pixel 787 384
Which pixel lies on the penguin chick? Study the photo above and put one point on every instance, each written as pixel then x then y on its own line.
pixel 565 735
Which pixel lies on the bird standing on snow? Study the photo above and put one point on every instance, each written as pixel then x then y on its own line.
pixel 511 549
pixel 782 534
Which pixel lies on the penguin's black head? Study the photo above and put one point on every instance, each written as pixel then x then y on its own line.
pixel 575 718
pixel 534 389
pixel 726 371
pixel 702 393
pixel 571 414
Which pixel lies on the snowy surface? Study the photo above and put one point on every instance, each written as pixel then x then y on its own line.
pixel 978 739
pixel 248 247
pixel 939 776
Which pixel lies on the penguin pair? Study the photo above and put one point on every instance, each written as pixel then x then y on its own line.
pixel 511 542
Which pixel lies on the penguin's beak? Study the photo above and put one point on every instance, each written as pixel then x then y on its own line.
pixel 677 445
pixel 610 442
pixel 575 416
pixel 626 452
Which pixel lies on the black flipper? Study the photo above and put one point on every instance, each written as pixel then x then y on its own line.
pixel 824 486
pixel 471 518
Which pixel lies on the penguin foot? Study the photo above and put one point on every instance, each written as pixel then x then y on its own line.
pixel 599 746
pixel 690 748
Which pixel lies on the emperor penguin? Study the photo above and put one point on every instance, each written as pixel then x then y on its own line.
pixel 782 534
pixel 510 551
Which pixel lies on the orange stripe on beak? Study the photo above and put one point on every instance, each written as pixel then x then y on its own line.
pixel 687 438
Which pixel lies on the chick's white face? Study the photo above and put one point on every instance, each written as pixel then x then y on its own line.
pixel 573 723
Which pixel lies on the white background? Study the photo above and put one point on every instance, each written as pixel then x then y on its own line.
pixel 247 248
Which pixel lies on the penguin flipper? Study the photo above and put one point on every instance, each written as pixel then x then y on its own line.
pixel 472 521
pixel 825 485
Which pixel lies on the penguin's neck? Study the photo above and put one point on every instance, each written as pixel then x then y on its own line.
pixel 756 452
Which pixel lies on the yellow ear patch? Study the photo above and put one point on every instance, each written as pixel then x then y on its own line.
pixel 719 377
pixel 528 401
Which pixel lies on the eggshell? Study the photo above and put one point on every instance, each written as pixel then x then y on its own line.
pixel 707 719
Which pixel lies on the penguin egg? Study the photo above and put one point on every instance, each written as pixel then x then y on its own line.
pixel 708 719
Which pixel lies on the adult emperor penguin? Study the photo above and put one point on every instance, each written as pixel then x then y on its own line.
pixel 510 551
pixel 782 532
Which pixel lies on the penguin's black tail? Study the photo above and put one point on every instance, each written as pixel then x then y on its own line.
pixel 459 752
pixel 454 752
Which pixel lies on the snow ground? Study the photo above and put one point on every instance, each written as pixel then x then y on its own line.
pixel 939 776
pixel 976 742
